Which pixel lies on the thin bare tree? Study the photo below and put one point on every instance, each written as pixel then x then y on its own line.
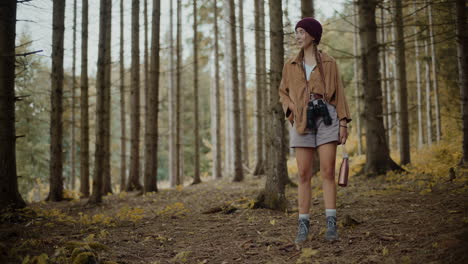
pixel 377 153
pixel 260 72
pixel 172 107
pixel 462 49
pixel 151 136
pixel 434 70
pixel 56 124
pixel 99 159
pixel 196 173
pixel 215 110
pixel 134 177
pixel 73 88
pixel 84 104
pixel 123 117
pixel 357 91
pixel 9 194
pixel 273 196
pixel 401 79
pixel 307 8
pixel 243 88
pixel 418 81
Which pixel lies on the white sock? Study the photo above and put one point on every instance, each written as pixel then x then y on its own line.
pixel 330 212
pixel 304 216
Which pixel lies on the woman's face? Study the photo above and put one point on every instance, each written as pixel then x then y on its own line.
pixel 303 39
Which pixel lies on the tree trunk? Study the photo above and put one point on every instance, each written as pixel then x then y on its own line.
pixel 378 159
pixel 107 185
pixel 196 176
pixel 434 71
pixel 99 158
pixel 357 91
pixel 462 67
pixel 418 83
pixel 396 91
pixel 428 93
pixel 172 99
pixel 234 85
pixel 134 177
pixel 401 78
pixel 123 121
pixel 179 149
pixel 9 194
pixel 259 14
pixel 144 101
pixel 151 156
pixel 84 137
pixel 383 71
pixel 307 8
pixel 228 119
pixel 243 88
pixel 273 196
pixel 72 178
pixel 56 124
pixel 216 125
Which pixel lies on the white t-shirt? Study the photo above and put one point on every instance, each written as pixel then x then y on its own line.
pixel 309 69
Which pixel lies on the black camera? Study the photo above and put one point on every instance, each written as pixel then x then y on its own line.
pixel 317 109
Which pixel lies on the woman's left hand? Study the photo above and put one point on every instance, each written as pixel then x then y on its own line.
pixel 343 133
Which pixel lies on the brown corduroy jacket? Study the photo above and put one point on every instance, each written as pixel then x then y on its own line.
pixel 293 91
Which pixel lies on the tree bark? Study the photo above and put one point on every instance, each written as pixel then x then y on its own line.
pixel 273 196
pixel 9 194
pixel 179 150
pixel 357 91
pixel 196 175
pixel 462 51
pixel 72 178
pixel 434 72
pixel 151 164
pixel 401 78
pixel 99 158
pixel 56 125
pixel 243 88
pixel 84 138
pixel 383 71
pixel 134 177
pixel 378 159
pixel 123 119
pixel 396 91
pixel 234 85
pixel 216 125
pixel 307 8
pixel 418 82
pixel 172 108
pixel 428 93
pixel 259 14
pixel 107 185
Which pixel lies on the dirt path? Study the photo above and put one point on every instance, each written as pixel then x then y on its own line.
pixel 392 226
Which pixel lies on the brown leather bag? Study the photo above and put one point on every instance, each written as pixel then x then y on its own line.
pixel 344 169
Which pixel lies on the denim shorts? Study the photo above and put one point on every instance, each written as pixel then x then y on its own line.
pixel 324 134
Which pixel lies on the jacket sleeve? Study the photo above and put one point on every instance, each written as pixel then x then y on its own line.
pixel 285 100
pixel 342 107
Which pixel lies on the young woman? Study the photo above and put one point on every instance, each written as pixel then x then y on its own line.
pixel 314 102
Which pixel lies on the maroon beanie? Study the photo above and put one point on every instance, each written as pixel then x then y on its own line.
pixel 311 26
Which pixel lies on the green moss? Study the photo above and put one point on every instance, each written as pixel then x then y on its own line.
pixel 98 246
pixel 85 258
pixel 70 245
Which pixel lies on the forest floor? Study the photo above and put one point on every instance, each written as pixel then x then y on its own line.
pixel 380 221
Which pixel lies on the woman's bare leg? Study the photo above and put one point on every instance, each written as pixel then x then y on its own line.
pixel 304 159
pixel 327 156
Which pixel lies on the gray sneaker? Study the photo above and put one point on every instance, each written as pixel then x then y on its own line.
pixel 303 231
pixel 331 233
